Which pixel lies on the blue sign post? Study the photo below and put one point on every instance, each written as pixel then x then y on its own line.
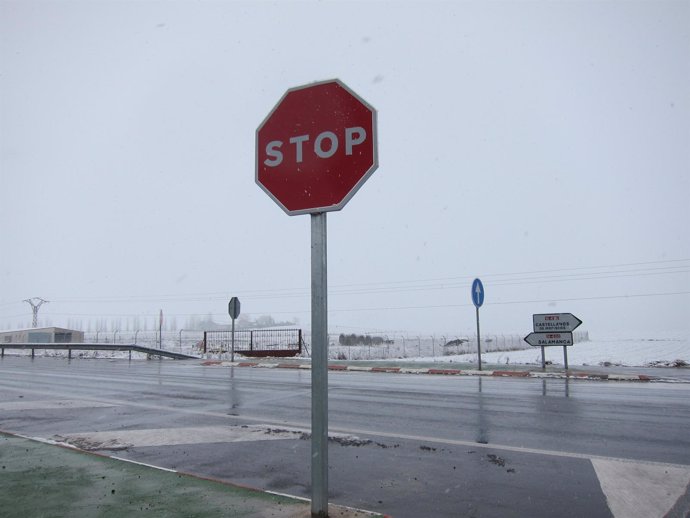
pixel 478 300
pixel 477 293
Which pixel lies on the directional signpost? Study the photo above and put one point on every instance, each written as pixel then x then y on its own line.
pixel 544 323
pixel 553 329
pixel 478 300
pixel 314 150
pixel 549 339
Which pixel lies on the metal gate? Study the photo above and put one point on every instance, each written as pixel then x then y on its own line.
pixel 259 342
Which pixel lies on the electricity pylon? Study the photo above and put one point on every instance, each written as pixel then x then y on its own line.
pixel 36 303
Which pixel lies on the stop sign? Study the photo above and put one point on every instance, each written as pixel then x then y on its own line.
pixel 316 148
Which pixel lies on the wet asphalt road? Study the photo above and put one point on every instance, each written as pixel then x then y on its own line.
pixel 410 445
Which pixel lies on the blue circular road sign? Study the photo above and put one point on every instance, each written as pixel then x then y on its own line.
pixel 477 293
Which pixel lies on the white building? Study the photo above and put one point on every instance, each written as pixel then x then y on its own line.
pixel 42 335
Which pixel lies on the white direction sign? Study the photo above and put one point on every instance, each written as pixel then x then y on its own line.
pixel 549 339
pixel 553 322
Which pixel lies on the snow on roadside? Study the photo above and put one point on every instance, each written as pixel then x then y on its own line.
pixel 632 352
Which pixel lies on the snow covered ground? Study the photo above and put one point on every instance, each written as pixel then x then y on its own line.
pixel 662 350
pixel 668 350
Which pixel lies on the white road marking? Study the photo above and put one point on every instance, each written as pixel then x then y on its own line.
pixel 636 490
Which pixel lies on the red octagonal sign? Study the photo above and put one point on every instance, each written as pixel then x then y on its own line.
pixel 316 148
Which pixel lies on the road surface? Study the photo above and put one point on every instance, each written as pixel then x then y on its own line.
pixel 404 445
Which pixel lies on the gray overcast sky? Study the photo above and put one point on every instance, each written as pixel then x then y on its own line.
pixel 541 146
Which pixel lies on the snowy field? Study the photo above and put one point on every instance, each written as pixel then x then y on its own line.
pixel 662 351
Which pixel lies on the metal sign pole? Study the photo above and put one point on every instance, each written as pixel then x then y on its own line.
pixel 543 359
pixel 479 342
pixel 232 342
pixel 319 367
pixel 565 357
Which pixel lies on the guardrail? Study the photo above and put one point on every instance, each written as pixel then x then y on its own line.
pixel 69 347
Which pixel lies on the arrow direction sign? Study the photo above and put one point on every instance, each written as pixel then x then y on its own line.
pixel 549 339
pixel 477 293
pixel 554 322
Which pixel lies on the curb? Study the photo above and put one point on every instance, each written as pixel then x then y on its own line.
pixel 443 372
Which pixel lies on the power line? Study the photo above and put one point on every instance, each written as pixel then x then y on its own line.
pixel 390 287
pixel 572 299
pixel 390 308
pixel 415 285
pixel 469 278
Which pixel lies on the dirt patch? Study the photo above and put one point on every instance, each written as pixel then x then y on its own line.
pixel 86 444
pixel 495 459
pixel 348 440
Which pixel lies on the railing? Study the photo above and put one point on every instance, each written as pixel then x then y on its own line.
pixel 258 342
pixel 69 347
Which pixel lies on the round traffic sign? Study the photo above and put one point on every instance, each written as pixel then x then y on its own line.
pixel 316 148
pixel 477 293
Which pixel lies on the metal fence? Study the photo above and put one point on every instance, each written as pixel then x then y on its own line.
pixel 258 342
pixel 297 343
pixel 429 346
pixel 183 340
